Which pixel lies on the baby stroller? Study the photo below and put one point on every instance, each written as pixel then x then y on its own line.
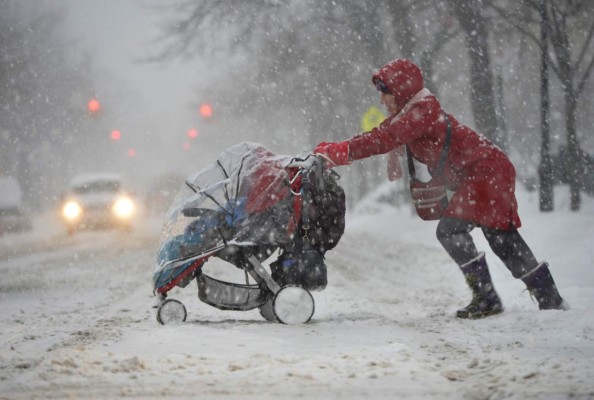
pixel 249 205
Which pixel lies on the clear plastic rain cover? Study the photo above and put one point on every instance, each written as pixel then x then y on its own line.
pixel 243 199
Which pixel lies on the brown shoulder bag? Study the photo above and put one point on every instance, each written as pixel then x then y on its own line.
pixel 430 198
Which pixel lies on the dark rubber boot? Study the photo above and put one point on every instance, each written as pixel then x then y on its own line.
pixel 541 285
pixel 485 301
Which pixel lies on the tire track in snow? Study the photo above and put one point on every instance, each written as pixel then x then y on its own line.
pixel 84 283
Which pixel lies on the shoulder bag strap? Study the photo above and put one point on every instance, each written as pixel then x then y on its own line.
pixel 442 157
pixel 411 164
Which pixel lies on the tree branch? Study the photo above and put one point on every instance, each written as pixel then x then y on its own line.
pixel 585 77
pixel 586 45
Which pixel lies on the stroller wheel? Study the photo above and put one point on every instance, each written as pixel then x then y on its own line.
pixel 171 311
pixel 267 312
pixel 293 305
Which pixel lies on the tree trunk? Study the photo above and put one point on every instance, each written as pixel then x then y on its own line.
pixel 367 173
pixel 573 147
pixel 403 27
pixel 474 24
pixel 560 40
pixel 545 170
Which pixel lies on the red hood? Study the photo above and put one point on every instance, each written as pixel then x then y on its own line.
pixel 402 77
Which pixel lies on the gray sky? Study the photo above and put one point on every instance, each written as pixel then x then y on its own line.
pixel 162 97
pixel 118 34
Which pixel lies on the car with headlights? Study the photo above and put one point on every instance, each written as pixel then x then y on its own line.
pixel 13 217
pixel 97 201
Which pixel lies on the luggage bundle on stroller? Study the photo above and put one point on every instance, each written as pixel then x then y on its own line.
pixel 249 205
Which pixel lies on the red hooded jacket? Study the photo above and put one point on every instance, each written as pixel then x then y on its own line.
pixel 479 173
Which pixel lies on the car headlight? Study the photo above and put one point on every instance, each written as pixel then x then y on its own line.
pixel 71 210
pixel 123 207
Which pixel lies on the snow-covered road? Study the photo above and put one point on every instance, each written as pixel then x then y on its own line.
pixel 76 321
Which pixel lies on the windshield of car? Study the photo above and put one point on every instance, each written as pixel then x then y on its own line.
pixel 97 187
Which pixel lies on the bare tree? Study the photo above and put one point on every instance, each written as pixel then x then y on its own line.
pixel 422 42
pixel 39 83
pixel 311 54
pixel 573 74
pixel 570 31
pixel 305 59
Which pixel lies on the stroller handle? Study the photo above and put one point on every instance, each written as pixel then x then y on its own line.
pixel 308 170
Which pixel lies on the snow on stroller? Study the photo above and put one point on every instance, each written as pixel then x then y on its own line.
pixel 248 205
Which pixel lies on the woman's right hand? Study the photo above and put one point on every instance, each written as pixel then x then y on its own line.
pixel 336 153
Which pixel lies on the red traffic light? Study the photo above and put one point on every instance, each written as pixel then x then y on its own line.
pixel 116 135
pixel 93 106
pixel 206 110
pixel 192 133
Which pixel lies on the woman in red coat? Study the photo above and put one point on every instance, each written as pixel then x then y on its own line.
pixel 478 173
